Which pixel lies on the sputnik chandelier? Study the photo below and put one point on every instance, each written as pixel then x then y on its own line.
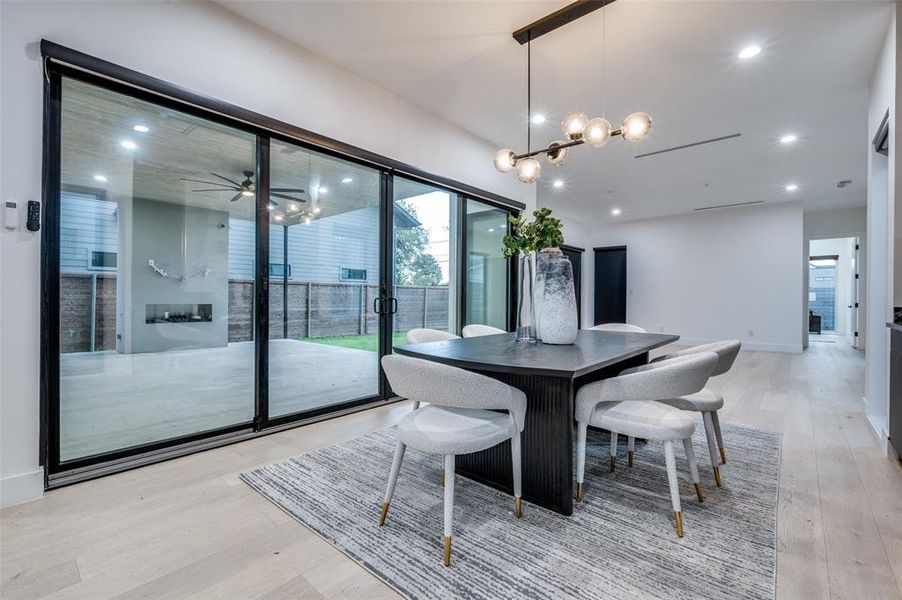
pixel 578 128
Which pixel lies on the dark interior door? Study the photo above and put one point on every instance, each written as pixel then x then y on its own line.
pixel 610 285
pixel 576 259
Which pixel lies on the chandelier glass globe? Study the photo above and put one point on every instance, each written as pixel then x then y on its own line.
pixel 597 132
pixel 636 127
pixel 557 155
pixel 528 170
pixel 573 125
pixel 505 160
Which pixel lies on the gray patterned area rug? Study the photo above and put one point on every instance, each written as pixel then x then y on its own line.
pixel 620 542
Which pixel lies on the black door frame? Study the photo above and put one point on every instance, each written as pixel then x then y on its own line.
pixel 62 62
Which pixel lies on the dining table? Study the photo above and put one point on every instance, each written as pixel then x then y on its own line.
pixel 550 375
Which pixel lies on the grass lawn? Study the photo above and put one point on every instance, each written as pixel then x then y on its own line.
pixel 359 342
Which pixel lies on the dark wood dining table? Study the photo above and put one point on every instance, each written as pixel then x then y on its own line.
pixel 550 376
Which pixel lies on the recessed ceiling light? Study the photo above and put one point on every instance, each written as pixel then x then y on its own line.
pixel 323 190
pixel 788 138
pixel 791 187
pixel 347 180
pixel 558 183
pixel 749 52
pixel 100 178
pixel 141 128
pixel 538 119
pixel 491 230
pixel 128 144
pixel 615 212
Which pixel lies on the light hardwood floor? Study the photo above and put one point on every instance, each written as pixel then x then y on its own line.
pixel 188 528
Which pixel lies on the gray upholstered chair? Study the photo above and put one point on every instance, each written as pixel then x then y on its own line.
pixel 626 404
pixel 480 330
pixel 421 336
pixel 624 327
pixel 708 401
pixel 461 417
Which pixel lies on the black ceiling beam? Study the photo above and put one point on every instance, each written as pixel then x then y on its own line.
pixel 558 18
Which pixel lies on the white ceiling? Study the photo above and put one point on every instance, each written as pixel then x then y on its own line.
pixel 673 59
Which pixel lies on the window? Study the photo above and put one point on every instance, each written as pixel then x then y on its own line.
pixel 101 260
pixel 353 274
pixel 279 270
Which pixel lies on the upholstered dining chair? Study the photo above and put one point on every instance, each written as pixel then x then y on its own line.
pixel 624 327
pixel 480 330
pixel 708 401
pixel 461 417
pixel 422 335
pixel 626 405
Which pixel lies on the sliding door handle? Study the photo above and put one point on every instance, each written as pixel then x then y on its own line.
pixel 394 305
pixel 377 306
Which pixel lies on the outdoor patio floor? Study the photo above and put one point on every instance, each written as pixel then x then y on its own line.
pixel 110 401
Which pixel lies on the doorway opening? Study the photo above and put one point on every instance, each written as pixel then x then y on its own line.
pixel 833 278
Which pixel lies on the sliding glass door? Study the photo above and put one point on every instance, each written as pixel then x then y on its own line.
pixel 488 273
pixel 205 278
pixel 156 229
pixel 425 249
pixel 324 279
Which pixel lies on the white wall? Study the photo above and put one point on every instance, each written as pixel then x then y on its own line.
pixel 716 275
pixel 208 50
pixel 883 196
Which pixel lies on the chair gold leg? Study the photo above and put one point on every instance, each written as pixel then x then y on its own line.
pixel 717 476
pixel 518 507
pixel 698 492
pixel 613 463
pixel 679 523
pixel 384 513
pixel 723 456
pixel 629 458
pixel 447 550
pixel 579 492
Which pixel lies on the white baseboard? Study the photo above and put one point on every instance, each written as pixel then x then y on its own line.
pixel 21 488
pixel 878 428
pixel 746 345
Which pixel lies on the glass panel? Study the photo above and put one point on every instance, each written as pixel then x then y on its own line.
pixel 425 258
pixel 324 267
pixel 487 269
pixel 156 273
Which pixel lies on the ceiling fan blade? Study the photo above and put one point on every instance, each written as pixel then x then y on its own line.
pixel 216 190
pixel 230 187
pixel 284 197
pixel 225 179
pixel 273 202
pixel 295 190
pixel 235 197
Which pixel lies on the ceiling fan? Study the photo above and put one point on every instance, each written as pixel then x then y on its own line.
pixel 246 188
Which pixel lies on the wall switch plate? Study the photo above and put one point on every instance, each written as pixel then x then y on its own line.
pixel 10 214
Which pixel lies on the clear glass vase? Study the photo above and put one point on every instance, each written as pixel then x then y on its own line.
pixel 526 311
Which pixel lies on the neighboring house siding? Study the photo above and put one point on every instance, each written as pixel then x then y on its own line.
pixel 87 224
pixel 316 252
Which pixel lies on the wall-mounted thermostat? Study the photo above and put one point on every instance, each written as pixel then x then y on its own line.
pixel 34 216
pixel 10 214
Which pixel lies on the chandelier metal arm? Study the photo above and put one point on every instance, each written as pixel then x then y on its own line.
pixel 558 147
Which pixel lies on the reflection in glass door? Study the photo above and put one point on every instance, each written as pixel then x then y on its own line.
pixel 425 250
pixel 323 281
pixel 154 287
pixel 487 285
